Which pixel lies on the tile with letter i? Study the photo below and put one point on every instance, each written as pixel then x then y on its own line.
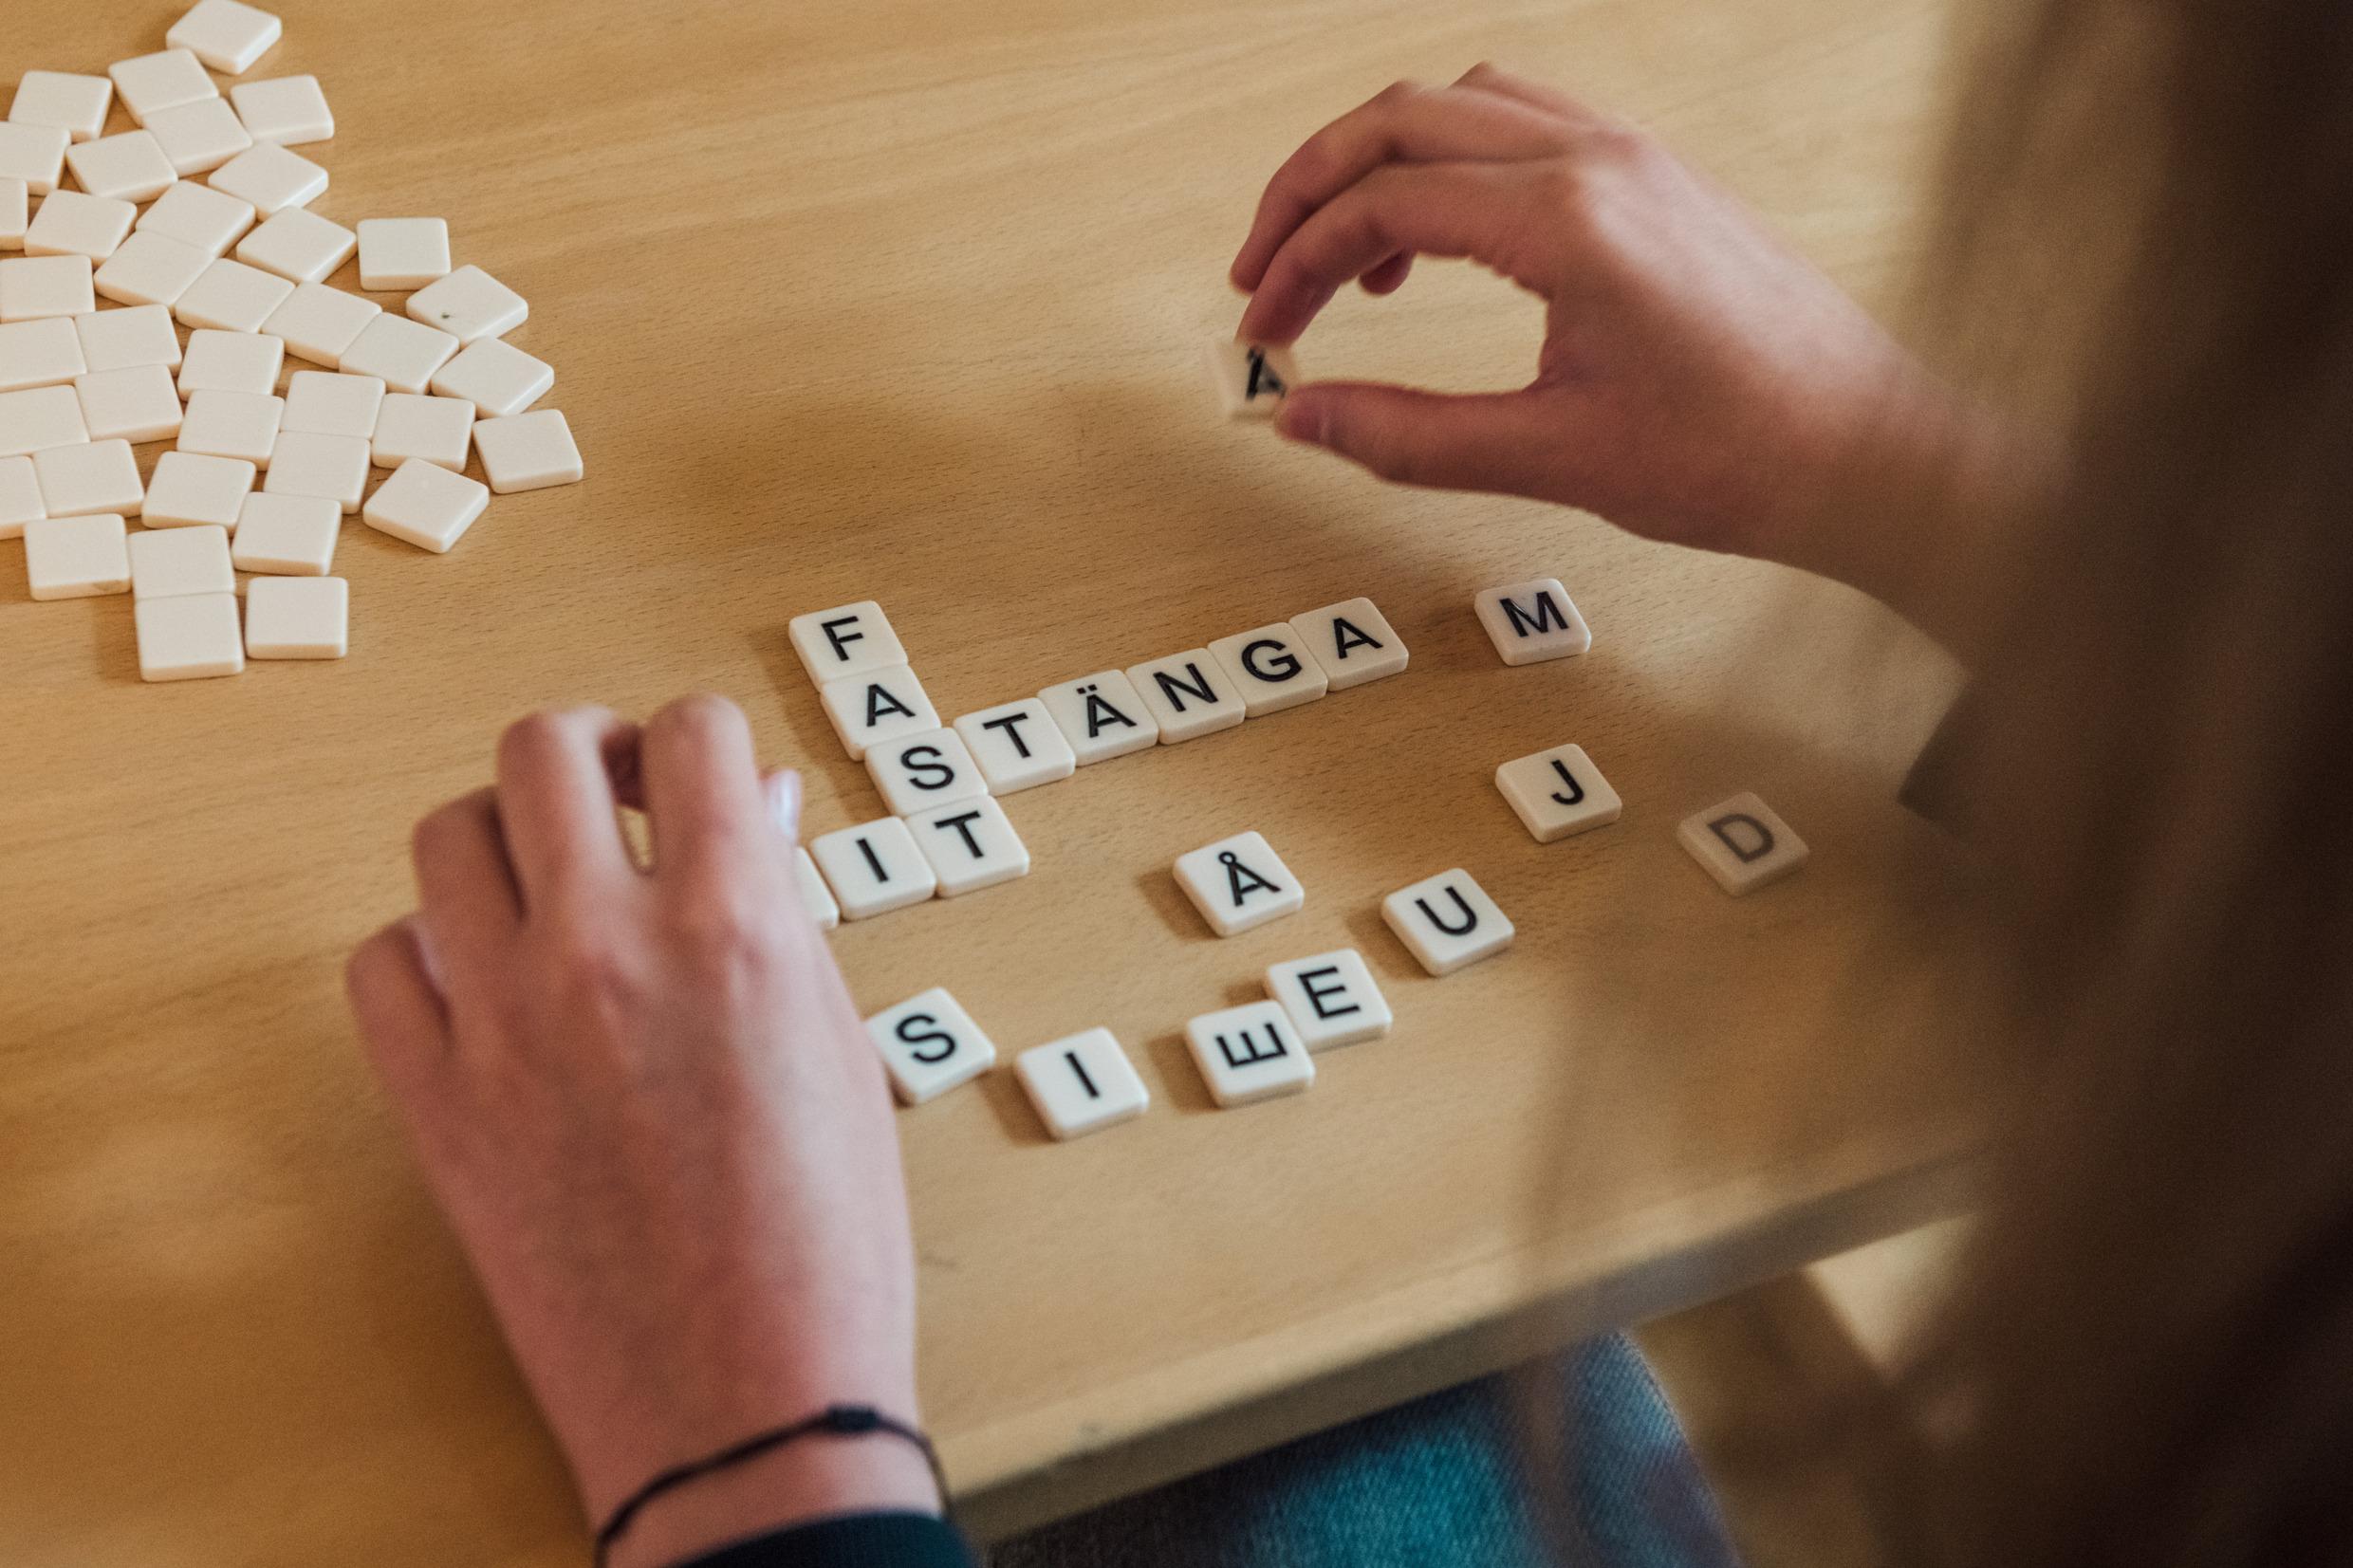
pixel 1018 746
pixel 1251 378
pixel 923 770
pixel 1188 695
pixel 1531 623
pixel 876 706
pixel 1239 883
pixel 1082 1084
pixel 874 868
pixel 930 1045
pixel 1558 792
pixel 1353 642
pixel 850 640
pixel 1250 1052
pixel 1272 668
pixel 1447 922
pixel 1331 999
pixel 971 846
pixel 1102 717
pixel 1743 844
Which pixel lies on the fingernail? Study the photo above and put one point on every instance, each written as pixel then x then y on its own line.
pixel 1301 418
pixel 783 788
pixel 427 958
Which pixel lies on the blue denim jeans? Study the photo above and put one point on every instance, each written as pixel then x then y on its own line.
pixel 1450 1481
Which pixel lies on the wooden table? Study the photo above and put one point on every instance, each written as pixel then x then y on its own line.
pixel 907 301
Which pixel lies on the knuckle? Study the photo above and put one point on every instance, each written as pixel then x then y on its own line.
pixel 726 926
pixel 1397 93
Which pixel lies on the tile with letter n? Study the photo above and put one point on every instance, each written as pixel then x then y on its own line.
pixel 1447 921
pixel 1558 792
pixel 1250 1052
pixel 1188 693
pixel 1531 623
pixel 1331 999
pixel 1239 883
pixel 930 1045
pixel 1082 1084
pixel 1743 844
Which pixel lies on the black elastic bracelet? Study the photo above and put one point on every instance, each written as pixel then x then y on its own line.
pixel 833 1421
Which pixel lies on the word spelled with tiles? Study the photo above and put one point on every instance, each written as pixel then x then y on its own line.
pixel 166 279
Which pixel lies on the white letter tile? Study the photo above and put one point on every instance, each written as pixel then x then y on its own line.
pixel 299 245
pixel 398 254
pixel 76 104
pixel 271 178
pixel 1558 792
pixel 1352 641
pixel 197 216
pixel 426 504
pixel 529 452
pixel 1743 844
pixel 1272 668
pixel 34 153
pixel 1250 1052
pixel 227 35
pixel 20 497
pixel 1330 999
pixel 137 404
pixel 469 304
pixel 970 845
pixel 101 476
pixel 285 535
pixel 39 418
pixel 335 467
pixel 1531 623
pixel 1447 921
pixel 848 640
pixel 883 704
pixel 429 430
pixel 130 167
pixel 231 361
pixel 73 224
pixel 41 353
pixel 121 340
pixel 1082 1084
pixel 35 287
pixel 154 82
pixel 297 617
pixel 188 638
pixel 189 491
pixel 289 111
pixel 1239 884
pixel 243 425
pixel 495 377
pixel 1251 379
pixel 151 269
pixel 77 557
pixel 920 771
pixel 320 324
pixel 1018 746
pixel 173 563
pixel 198 138
pixel 1102 716
pixel 930 1045
pixel 320 402
pixel 815 896
pixel 874 868
pixel 231 297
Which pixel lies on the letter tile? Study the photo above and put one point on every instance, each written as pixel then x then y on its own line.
pixel 271 178
pixel 1272 668
pixel 930 1045
pixel 850 640
pixel 498 378
pixel 1102 716
pixel 1743 844
pixel 1250 1052
pixel 332 465
pixel 288 110
pixel 77 557
pixel 426 504
pixel 1331 999
pixel 198 216
pixel 227 35
pixel 1352 641
pixel 1188 693
pixel 1558 792
pixel 885 703
pixel 150 268
pixel 299 245
pixel 1239 883
pixel 20 497
pixel 400 254
pixel 38 417
pixel 95 477
pixel 71 223
pixel 429 430
pixel 124 339
pixel 232 361
pixel 233 297
pixel 197 137
pixel 1018 746
pixel 175 562
pixel 232 424
pixel 1081 1083
pixel 34 286
pixel 528 452
pixel 874 868
pixel 130 167
pixel 34 155
pixel 469 304
pixel 1251 378
pixel 325 402
pixel 43 353
pixel 970 845
pixel 281 535
pixel 306 617
pixel 76 104
pixel 189 491
pixel 137 404
pixel 1447 921
pixel 188 638
pixel 319 323
pixel 815 896
pixel 1531 623
pixel 917 772
pixel 159 80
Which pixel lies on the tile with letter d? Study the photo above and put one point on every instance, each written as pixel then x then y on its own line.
pixel 1331 999
pixel 1447 921
pixel 1239 883
pixel 1353 642
pixel 1082 1084
pixel 970 845
pixel 1250 1052
pixel 874 868
pixel 1743 844
pixel 1531 623
pixel 874 705
pixel 1018 746
pixel 1270 668
pixel 1558 792
pixel 926 769
pixel 930 1045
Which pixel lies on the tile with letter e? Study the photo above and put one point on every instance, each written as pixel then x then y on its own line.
pixel 1447 921
pixel 874 868
pixel 1018 746
pixel 919 771
pixel 1331 999
pixel 1270 668
pixel 1558 792
pixel 850 639
pixel 815 896
pixel 1188 695
pixel 1352 641
pixel 1251 378
pixel 970 845
pixel 1250 1052
pixel 879 704
pixel 1531 623
pixel 930 1045
pixel 1743 844
pixel 1102 716
pixel 1082 1084
pixel 1239 883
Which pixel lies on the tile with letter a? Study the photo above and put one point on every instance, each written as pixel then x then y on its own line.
pixel 1239 883
pixel 1558 792
pixel 815 896
pixel 1447 921
pixel 1102 717
pixel 1018 746
pixel 1188 693
pixel 971 846
pixel 1743 844
pixel 917 772
pixel 1331 999
pixel 1531 623
pixel 850 639
pixel 1082 1084
pixel 1272 668
pixel 1251 378
pixel 878 706
pixel 874 868
pixel 1352 641
pixel 930 1045
pixel 1250 1052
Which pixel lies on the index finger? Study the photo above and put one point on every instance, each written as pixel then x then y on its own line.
pixel 703 798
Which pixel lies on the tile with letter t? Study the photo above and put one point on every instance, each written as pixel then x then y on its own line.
pixel 1018 746
pixel 878 706
pixel 1082 1084
pixel 1531 623
pixel 1447 921
pixel 874 868
pixel 1558 792
pixel 1272 668
pixel 1239 883
pixel 1102 717
pixel 1250 1052
pixel 1188 693
pixel 923 770
pixel 1353 642
pixel 1331 999
pixel 971 846
pixel 1743 844
pixel 930 1045
pixel 850 639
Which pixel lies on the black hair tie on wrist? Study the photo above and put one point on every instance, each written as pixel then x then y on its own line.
pixel 833 1421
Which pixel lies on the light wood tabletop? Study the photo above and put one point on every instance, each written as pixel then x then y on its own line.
pixel 908 301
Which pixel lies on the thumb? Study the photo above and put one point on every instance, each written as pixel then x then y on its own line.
pixel 1485 441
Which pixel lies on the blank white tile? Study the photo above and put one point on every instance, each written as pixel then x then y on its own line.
pixel 397 352
pixel 874 868
pixel 1558 792
pixel 38 417
pixel 970 845
pixel 1447 921
pixel 1239 883
pixel 298 245
pixel 189 491
pixel 154 82
pixel 77 557
pixel 131 166
pixel 815 896
pixel 425 430
pixel 43 353
pixel 917 772
pixel 20 497
pixel 71 223
pixel 528 452
pixel 120 340
pixel 426 504
pixel 35 287
pixel 76 104
pixel 335 467
pixel 188 638
pixel 227 35
pixel 469 304
pixel 1331 999
pixel 231 361
pixel 15 212
pixel 498 378
pixel 271 178
pixel 1529 623
pixel 1251 378
pixel 34 153
pixel 1250 1052
pixel 1081 1083
pixel 1352 641
pixel 137 404
pixel 878 706
pixel 1270 669
pixel 402 253
pixel 930 1045
pixel 151 269
pixel 322 402
pixel 98 477
pixel 1188 693
pixel 297 617
pixel 231 297
pixel 171 563
pixel 198 138
pixel 232 424
pixel 1743 844
pixel 1101 716
pixel 197 216
pixel 290 111
pixel 319 323
pixel 282 535
pixel 1018 746
pixel 848 640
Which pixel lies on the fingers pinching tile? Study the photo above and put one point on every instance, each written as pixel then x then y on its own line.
pixel 528 452
pixel 469 304
pixel 188 637
pixel 227 35
pixel 191 491
pixel 284 535
pixel 1270 669
pixel 98 477
pixel 426 504
pixel 1558 792
pixel 1531 623
pixel 1251 378
pixel 1331 999
pixel 1248 1052
pixel 290 618
pixel 1353 642
pixel 172 562
pixel 970 845
pixel 1188 695
pixel 874 868
pixel 883 704
pixel 1102 716
pixel 930 1045
pixel 77 557
pixel 1743 844
pixel 1082 1084
pixel 1239 884
pixel 1447 921
pixel 1018 746
pixel 919 771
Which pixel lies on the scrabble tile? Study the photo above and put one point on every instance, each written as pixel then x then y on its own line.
pixel 73 224
pixel 1239 884
pixel 970 845
pixel 1743 844
pixel 197 216
pixel 917 772
pixel 498 378
pixel 322 402
pixel 137 404
pixel 319 323
pixel 198 138
pixel 426 504
pixel 1270 669
pixel 335 467
pixel 874 868
pixel 1330 999
pixel 150 269
pixel 299 245
pixel 1447 921
pixel 43 353
pixel 1188 695
pixel 121 340
pixel 1082 1084
pixel 16 206
pixel 189 491
pixel 1251 378
pixel 271 178
pixel 402 253
pixel 97 476
pixel 469 304
pixel 297 617
pixel 232 424
pixel 34 153
pixel 225 34
pixel 171 563
pixel 38 417
pixel 1558 792
pixel 77 557
pixel 428 430
pixel 76 104
pixel 1529 623
pixel 881 704
pixel 280 535
pixel 288 110
pixel 398 353
pixel 850 639
pixel 1250 1052
pixel 231 361
pixel 815 896
pixel 528 452
pixel 129 167
pixel 188 638
pixel 162 80
pixel 229 296
pixel 930 1045
pixel 20 497
pixel 1352 642
pixel 1018 746
pixel 1101 717
pixel 36 287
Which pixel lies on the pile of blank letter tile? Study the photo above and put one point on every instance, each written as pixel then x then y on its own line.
pixel 127 319
pixel 947 835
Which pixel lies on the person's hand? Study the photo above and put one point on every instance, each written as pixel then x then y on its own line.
pixel 648 1107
